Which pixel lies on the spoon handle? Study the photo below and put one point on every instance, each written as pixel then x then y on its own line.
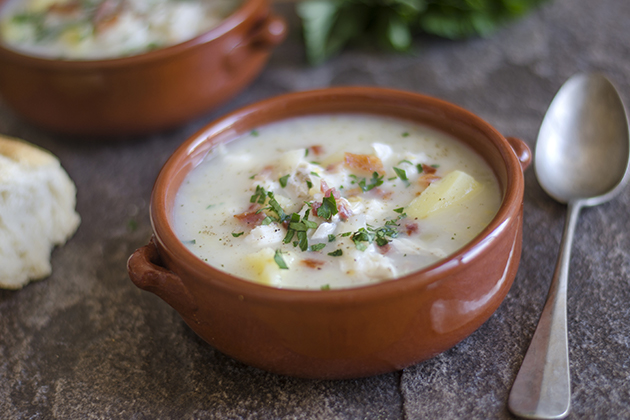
pixel 542 389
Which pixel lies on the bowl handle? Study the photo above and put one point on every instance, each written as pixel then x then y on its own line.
pixel 265 35
pixel 147 273
pixel 522 150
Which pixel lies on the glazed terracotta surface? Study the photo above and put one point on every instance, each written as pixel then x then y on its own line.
pixel 146 92
pixel 340 333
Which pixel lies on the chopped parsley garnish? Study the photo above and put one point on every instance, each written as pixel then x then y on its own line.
pixel 345 234
pixel 435 166
pixel 336 253
pixel 405 161
pixel 420 168
pixel 254 133
pixel 382 235
pixel 299 228
pixel 283 180
pixel 306 152
pixel 315 174
pixel 401 174
pixel 328 208
pixel 191 242
pixel 331 237
pixel 325 287
pixel 236 235
pixel 309 184
pixel 375 181
pixel 317 247
pixel 405 134
pixel 260 196
pixel 279 260
pixel 275 207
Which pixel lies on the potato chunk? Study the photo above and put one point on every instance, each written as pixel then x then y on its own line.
pixel 264 268
pixel 442 194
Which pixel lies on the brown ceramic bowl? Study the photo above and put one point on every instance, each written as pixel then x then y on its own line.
pixel 146 92
pixel 344 333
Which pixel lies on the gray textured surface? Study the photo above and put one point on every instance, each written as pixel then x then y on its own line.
pixel 85 343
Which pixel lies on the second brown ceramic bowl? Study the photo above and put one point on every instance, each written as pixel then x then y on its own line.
pixel 340 333
pixel 146 92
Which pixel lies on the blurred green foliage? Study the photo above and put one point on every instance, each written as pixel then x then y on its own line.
pixel 329 25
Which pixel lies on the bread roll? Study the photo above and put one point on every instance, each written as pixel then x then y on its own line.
pixel 37 211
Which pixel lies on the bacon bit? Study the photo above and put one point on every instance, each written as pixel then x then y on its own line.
pixel 384 249
pixel 382 194
pixel 328 191
pixel 425 180
pixel 344 210
pixel 426 169
pixel 311 263
pixel 251 217
pixel 364 163
pixel 70 8
pixel 107 14
pixel 411 228
pixel 317 150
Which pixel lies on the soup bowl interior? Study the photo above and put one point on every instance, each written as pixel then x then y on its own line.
pixel 147 92
pixel 344 333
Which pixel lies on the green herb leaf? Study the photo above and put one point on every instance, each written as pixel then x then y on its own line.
pixel 236 235
pixel 318 247
pixel 336 253
pixel 328 208
pixel 279 260
pixel 283 181
pixel 401 174
pixel 331 238
pixel 260 196
pixel 325 287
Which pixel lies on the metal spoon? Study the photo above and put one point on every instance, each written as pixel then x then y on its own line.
pixel 581 159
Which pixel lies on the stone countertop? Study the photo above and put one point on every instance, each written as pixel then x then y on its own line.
pixel 86 343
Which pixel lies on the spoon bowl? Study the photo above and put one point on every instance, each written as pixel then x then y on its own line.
pixel 581 159
pixel 582 148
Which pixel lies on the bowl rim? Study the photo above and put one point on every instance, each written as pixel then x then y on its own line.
pixel 511 203
pixel 246 10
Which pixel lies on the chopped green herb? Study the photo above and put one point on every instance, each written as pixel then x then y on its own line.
pixel 306 151
pixel 266 221
pixel 260 196
pixel 399 210
pixel 346 234
pixel 253 176
pixel 309 184
pixel 375 181
pixel 191 242
pixel 328 208
pixel 336 253
pixel 331 238
pixel 405 134
pixel 420 168
pixel 255 133
pixel 275 206
pixel 317 247
pixel 279 260
pixel 435 166
pixel 236 235
pixel 132 225
pixel 401 174
pixel 315 174
pixel 325 287
pixel 283 180
pixel 405 161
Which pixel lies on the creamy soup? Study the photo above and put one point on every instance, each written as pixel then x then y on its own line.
pixel 336 201
pixel 98 29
